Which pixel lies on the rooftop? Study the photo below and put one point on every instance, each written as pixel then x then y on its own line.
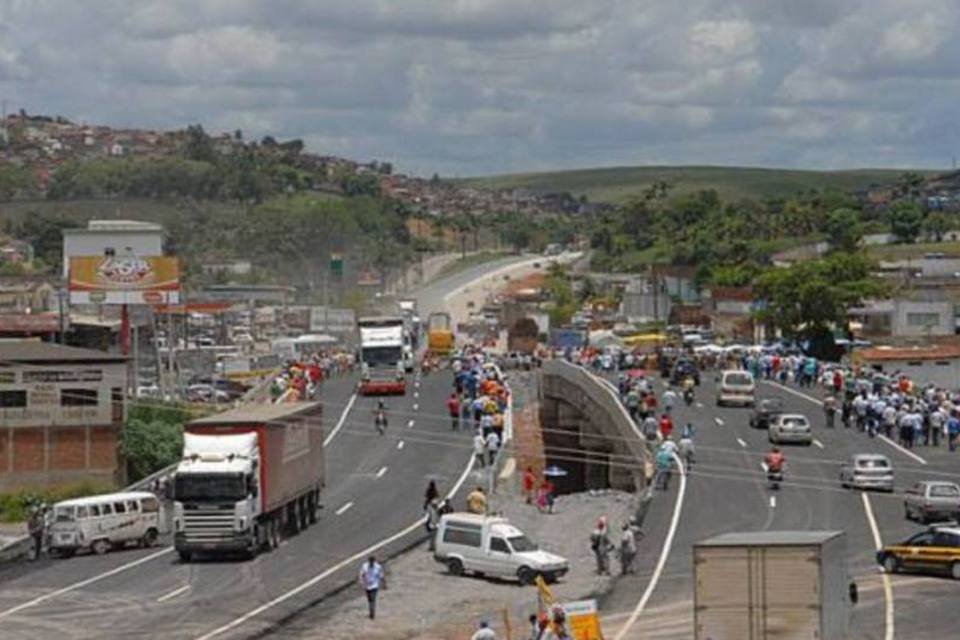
pixel 254 413
pixel 892 354
pixel 770 538
pixel 34 351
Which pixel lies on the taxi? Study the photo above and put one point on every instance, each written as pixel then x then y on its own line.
pixel 936 550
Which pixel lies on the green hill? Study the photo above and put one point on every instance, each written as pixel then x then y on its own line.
pixel 618 184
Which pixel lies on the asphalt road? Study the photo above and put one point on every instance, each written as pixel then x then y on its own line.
pixel 374 489
pixel 727 491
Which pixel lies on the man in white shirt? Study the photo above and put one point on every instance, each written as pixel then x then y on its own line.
pixel 480 448
pixel 372 579
pixel 669 399
pixel 484 632
pixel 493 444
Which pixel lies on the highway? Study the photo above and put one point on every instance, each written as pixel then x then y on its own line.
pixel 374 490
pixel 727 491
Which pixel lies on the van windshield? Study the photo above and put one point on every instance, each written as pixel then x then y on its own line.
pixel 520 544
pixel 63 514
pixel 212 487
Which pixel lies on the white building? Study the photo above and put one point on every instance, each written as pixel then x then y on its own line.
pixel 938 364
pixel 112 237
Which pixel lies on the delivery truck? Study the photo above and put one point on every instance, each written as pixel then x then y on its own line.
pixel 247 477
pixel 784 585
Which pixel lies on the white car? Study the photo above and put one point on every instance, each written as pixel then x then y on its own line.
pixel 790 427
pixel 736 387
pixel 867 471
pixel 491 546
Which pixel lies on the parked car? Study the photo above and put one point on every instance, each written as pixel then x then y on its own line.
pixel 936 551
pixel 867 471
pixel 766 411
pixel 736 387
pixel 491 546
pixel 931 500
pixel 792 428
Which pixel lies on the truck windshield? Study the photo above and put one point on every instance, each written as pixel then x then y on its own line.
pixel 382 356
pixel 521 544
pixel 210 487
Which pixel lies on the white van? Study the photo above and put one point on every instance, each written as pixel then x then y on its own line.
pixel 736 387
pixel 101 522
pixel 491 546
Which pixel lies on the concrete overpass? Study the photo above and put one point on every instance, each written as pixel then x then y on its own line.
pixel 588 432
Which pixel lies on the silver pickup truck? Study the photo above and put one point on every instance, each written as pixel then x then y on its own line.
pixel 932 500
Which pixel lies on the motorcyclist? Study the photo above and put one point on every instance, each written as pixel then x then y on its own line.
pixel 775 462
pixel 685 446
pixel 380 417
pixel 830 410
pixel 688 384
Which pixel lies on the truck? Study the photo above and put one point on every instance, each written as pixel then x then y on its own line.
pixel 440 338
pixel 384 355
pixel 522 336
pixel 408 310
pixel 770 585
pixel 247 477
pixel 568 338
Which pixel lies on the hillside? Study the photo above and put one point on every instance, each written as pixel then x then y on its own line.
pixel 618 184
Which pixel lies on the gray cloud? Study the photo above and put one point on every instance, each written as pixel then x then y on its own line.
pixel 482 86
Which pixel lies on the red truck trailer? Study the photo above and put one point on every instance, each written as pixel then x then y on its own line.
pixel 246 476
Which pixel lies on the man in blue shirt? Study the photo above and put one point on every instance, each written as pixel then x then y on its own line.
pixel 372 579
pixel 953 431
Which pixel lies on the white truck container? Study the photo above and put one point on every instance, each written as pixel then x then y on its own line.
pixel 783 585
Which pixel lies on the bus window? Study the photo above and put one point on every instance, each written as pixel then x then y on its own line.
pixel 119 507
pixel 94 511
pixel 133 506
pixel 106 509
pixel 81 512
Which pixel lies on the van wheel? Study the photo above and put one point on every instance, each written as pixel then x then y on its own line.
pixel 892 565
pixel 150 538
pixel 100 546
pixel 526 575
pixel 955 570
pixel 185 556
pixel 455 567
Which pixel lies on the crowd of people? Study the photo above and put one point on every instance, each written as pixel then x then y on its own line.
pixel 302 378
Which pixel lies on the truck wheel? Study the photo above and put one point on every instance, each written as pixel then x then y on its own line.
pixel 304 513
pixel 150 538
pixel 274 533
pixel 313 508
pixel 185 556
pixel 526 575
pixel 892 565
pixel 455 567
pixel 100 546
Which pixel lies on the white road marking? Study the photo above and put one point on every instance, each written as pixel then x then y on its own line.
pixel 233 624
pixel 342 510
pixel 884 438
pixel 887 586
pixel 664 553
pixel 902 450
pixel 417 384
pixel 699 405
pixel 719 421
pixel 416 407
pixel 773 502
pixel 174 594
pixel 83 583
pixel 741 443
pixel 416 394
pixel 400 445
pixel 410 425
pixel 382 471
pixel 341 421
pixel 817 443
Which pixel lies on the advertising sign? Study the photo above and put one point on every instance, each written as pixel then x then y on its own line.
pixel 582 620
pixel 124 280
pixel 334 321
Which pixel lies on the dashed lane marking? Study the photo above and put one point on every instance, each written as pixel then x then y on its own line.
pixel 410 424
pixel 400 445
pixel 173 594
pixel 416 407
pixel 773 502
pixel 741 443
pixel 817 443
pixel 416 394
pixel 382 471
pixel 719 421
pixel 342 510
pixel 699 405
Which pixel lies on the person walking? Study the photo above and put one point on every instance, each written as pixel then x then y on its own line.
pixel 529 484
pixel 480 449
pixel 372 579
pixel 453 408
pixel 953 431
pixel 628 549
pixel 37 527
pixel 601 546
pixel 477 501
pixel 830 410
pixel 484 632
pixel 493 445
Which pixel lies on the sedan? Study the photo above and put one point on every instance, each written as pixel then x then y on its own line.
pixel 767 411
pixel 931 500
pixel 790 427
pixel 935 551
pixel 867 471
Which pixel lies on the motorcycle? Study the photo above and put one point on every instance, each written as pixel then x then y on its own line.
pixel 774 479
pixel 688 396
pixel 380 422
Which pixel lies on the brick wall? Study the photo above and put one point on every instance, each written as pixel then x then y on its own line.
pixel 44 456
pixel 28 449
pixel 68 448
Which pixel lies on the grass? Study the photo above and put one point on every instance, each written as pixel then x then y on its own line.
pixel 472 260
pixel 619 184
pixel 15 506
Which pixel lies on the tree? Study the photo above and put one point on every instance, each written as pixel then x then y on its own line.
pixel 198 145
pixel 844 230
pixel 906 221
pixel 936 224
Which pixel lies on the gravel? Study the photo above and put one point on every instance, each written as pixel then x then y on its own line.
pixel 424 602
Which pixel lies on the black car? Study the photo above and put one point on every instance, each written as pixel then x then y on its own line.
pixel 764 413
pixel 684 369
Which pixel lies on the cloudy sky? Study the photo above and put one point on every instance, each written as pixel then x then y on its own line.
pixel 469 87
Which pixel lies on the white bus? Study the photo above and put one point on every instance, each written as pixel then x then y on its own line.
pixel 101 522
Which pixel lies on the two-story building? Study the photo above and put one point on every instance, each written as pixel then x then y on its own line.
pixel 62 412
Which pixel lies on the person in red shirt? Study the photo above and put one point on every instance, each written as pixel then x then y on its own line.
pixel 529 483
pixel 666 426
pixel 837 382
pixel 453 408
pixel 775 461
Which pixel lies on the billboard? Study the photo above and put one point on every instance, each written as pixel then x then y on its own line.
pixel 124 280
pixel 338 322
